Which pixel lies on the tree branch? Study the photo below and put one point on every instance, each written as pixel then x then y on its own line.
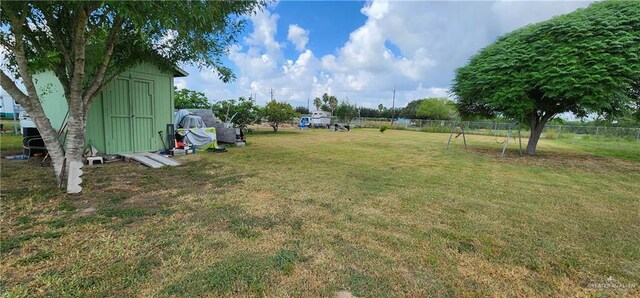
pixel 98 81
pixel 64 51
pixel 79 43
pixel 10 86
pixel 21 59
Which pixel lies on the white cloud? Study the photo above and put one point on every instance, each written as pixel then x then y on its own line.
pixel 180 83
pixel 414 46
pixel 515 14
pixel 298 36
pixel 263 35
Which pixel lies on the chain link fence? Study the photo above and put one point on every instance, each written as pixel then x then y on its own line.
pixel 493 128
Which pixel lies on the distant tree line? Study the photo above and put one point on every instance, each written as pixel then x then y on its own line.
pixel 243 111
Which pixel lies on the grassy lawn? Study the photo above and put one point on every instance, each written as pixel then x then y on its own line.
pixel 316 212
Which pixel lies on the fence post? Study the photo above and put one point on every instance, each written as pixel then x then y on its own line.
pixel 597 130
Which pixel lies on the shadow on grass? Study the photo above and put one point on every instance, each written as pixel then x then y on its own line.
pixel 584 162
pixel 271 132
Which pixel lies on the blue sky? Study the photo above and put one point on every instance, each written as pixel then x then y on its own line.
pixel 360 50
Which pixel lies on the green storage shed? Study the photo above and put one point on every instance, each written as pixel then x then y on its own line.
pixel 127 116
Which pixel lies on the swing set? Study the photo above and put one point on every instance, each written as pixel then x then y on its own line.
pixel 510 134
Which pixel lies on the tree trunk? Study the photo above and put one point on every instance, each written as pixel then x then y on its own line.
pixel 75 146
pixel 275 127
pixel 536 125
pixel 533 139
pixel 31 103
pixel 48 134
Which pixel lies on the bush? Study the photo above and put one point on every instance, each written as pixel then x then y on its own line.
pixel 383 128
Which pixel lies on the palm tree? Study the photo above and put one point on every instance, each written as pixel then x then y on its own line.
pixel 317 102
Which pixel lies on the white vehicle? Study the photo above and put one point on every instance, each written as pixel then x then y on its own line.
pixel 320 119
pixel 8 107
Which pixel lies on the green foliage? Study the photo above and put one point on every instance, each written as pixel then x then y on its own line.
pixel 327 103
pixel 242 112
pixel 302 110
pixel 411 110
pixel 583 62
pixel 317 102
pixel 346 112
pixel 383 128
pixel 163 33
pixel 436 109
pixel 368 112
pixel 277 113
pixel 189 99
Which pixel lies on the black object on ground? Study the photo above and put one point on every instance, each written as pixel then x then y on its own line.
pixel 217 150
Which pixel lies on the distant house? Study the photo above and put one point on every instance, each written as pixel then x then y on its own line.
pixel 127 116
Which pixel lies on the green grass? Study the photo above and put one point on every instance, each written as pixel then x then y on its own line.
pixel 316 212
pixel 10 142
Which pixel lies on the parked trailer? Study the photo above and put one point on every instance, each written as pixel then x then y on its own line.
pixel 320 119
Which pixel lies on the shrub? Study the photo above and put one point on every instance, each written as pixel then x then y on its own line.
pixel 383 128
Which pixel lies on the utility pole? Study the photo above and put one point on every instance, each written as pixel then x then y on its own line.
pixel 308 106
pixel 393 105
pixel 271 91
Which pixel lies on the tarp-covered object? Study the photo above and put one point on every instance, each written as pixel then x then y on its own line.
pixel 185 119
pixel 201 137
pixel 207 116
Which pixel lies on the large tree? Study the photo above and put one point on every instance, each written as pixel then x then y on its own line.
pixel 317 102
pixel 582 62
pixel 346 112
pixel 189 99
pixel 87 44
pixel 330 103
pixel 410 111
pixel 436 109
pixel 277 113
